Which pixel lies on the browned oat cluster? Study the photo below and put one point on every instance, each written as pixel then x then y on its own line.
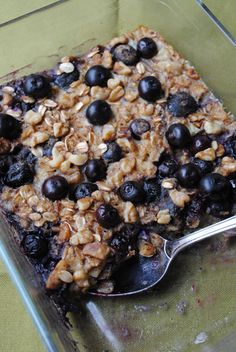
pixel 61 116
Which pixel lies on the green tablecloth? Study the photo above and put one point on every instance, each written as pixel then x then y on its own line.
pixel 17 332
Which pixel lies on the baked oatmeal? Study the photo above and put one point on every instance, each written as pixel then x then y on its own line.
pixel 106 151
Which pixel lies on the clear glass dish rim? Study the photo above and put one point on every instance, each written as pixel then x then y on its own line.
pixel 21 287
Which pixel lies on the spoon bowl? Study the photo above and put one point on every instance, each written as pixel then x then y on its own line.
pixel 140 273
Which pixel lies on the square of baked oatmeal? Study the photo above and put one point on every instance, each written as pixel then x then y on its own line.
pixel 108 150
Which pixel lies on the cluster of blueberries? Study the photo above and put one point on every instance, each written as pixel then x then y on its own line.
pixel 18 168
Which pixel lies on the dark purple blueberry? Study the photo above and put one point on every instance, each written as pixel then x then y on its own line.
pixel 188 175
pixel 152 190
pixel 178 135
pixel 130 230
pixel 37 86
pixel 24 107
pixel 95 170
pixel 132 191
pixel 35 245
pixel 55 187
pixel 168 167
pixel 204 167
pixel 19 174
pixel 82 190
pixel 147 48
pixel 121 246
pixel 10 128
pixel 113 153
pixel 23 154
pixel 48 146
pixel 144 234
pixel 5 162
pixel 97 76
pixel 99 112
pixel 125 53
pixel 219 209
pixel 107 216
pixel 194 210
pixel 119 243
pixel 150 89
pixel 181 104
pixel 215 186
pixel 17 103
pixel 200 142
pixel 230 146
pixel 139 127
pixel 124 241
pixel 65 79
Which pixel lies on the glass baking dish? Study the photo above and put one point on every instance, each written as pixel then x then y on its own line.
pixel 193 309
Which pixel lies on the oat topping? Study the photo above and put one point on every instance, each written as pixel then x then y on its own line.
pixel 107 146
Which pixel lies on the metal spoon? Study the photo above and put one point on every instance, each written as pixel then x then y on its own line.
pixel 142 273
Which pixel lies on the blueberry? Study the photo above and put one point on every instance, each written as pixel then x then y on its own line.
pixel 19 174
pixel 37 86
pixel 147 48
pixel 125 53
pixel 55 187
pixel 82 190
pixel 97 76
pixel 130 230
pixel 150 89
pixel 10 128
pixel 219 209
pixel 5 162
pixel 65 79
pixel 200 142
pixel 21 153
pixel 181 104
pixel 124 241
pixel 152 190
pixel 144 234
pixel 121 246
pixel 132 191
pixel 107 216
pixel 230 146
pixel 188 175
pixel 194 210
pixel 204 167
pixel 35 245
pixel 24 153
pixel 48 146
pixel 139 127
pixel 26 106
pixel 178 135
pixel 215 186
pixel 99 112
pixel 168 167
pixel 95 170
pixel 113 152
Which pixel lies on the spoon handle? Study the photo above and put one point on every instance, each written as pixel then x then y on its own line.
pixel 174 247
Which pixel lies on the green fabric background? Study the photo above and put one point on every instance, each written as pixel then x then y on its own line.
pixel 17 332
